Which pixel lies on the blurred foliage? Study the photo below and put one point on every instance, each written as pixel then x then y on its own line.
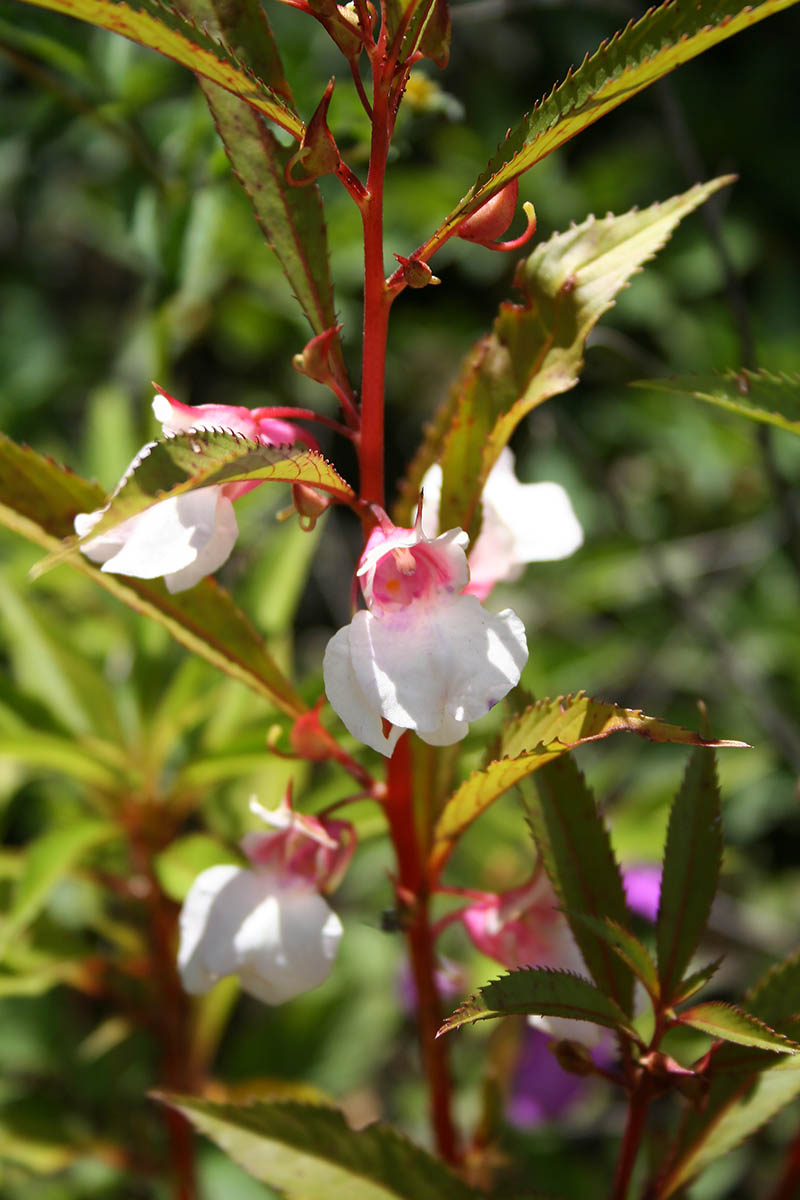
pixel 129 254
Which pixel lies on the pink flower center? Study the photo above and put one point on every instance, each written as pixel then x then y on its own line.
pixel 407 574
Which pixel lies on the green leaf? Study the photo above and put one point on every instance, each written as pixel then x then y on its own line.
pixel 310 1153
pixel 759 395
pixel 733 1024
pixel 542 733
pixel 747 1086
pixel 644 52
pixel 39 499
pixel 576 851
pixel 627 946
pixel 175 465
pixel 542 992
pixel 290 218
pixel 77 758
pixel 692 984
pixel 535 350
pixel 47 860
pixel 692 861
pixel 178 866
pixel 153 24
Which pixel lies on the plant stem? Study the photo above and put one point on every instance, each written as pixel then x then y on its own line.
pixel 414 898
pixel 377 298
pixel 170 1013
pixel 638 1105
pixel 789 1182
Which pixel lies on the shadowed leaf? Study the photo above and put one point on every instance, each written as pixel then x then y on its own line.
pixel 574 846
pixel 692 861
pixel 627 946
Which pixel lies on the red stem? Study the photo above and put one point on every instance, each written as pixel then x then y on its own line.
pixel 414 896
pixel 638 1105
pixel 789 1184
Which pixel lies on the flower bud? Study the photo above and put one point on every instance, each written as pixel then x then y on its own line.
pixel 416 273
pixel 493 218
pixel 318 153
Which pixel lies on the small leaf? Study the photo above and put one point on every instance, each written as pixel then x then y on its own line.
pixel 310 1153
pixel 576 851
pixel 692 984
pixel 758 395
pixel 692 861
pixel 627 946
pixel 644 52
pixel 542 733
pixel 39 500
pixel 175 465
pixel 535 350
pixel 543 992
pixel 47 860
pixel 735 1025
pixel 158 26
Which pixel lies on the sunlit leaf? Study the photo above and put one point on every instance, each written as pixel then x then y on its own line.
pixel 733 1024
pixel 692 861
pixel 540 734
pixel 310 1153
pixel 692 984
pixel 542 992
pixel 575 848
pixel 644 52
pixel 758 395
pixel 39 499
pixel 536 347
pixel 155 24
pixel 179 464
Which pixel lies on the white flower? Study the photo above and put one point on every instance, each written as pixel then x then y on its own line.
pixel 423 655
pixel 521 523
pixel 183 538
pixel 275 932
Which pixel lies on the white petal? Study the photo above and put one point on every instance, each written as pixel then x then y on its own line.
pixel 101 548
pixel 280 938
pixel 447 667
pixel 183 538
pixel 431 497
pixel 539 516
pixel 208 923
pixel 566 1029
pixel 287 944
pixel 347 699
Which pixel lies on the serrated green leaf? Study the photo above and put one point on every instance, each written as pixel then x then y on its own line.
pixel 575 848
pixel 692 861
pixel 47 860
pixel 644 52
pixel 39 499
pixel 175 465
pixel 156 25
pixel 535 350
pixel 692 984
pixel 733 1024
pixel 747 1086
pixel 759 395
pixel 627 946
pixel 543 992
pixel 290 218
pixel 310 1153
pixel 542 733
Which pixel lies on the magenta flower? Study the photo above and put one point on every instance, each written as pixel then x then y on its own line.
pixel 268 925
pixel 423 655
pixel 184 537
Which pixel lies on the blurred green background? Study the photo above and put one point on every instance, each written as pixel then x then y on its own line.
pixel 128 255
